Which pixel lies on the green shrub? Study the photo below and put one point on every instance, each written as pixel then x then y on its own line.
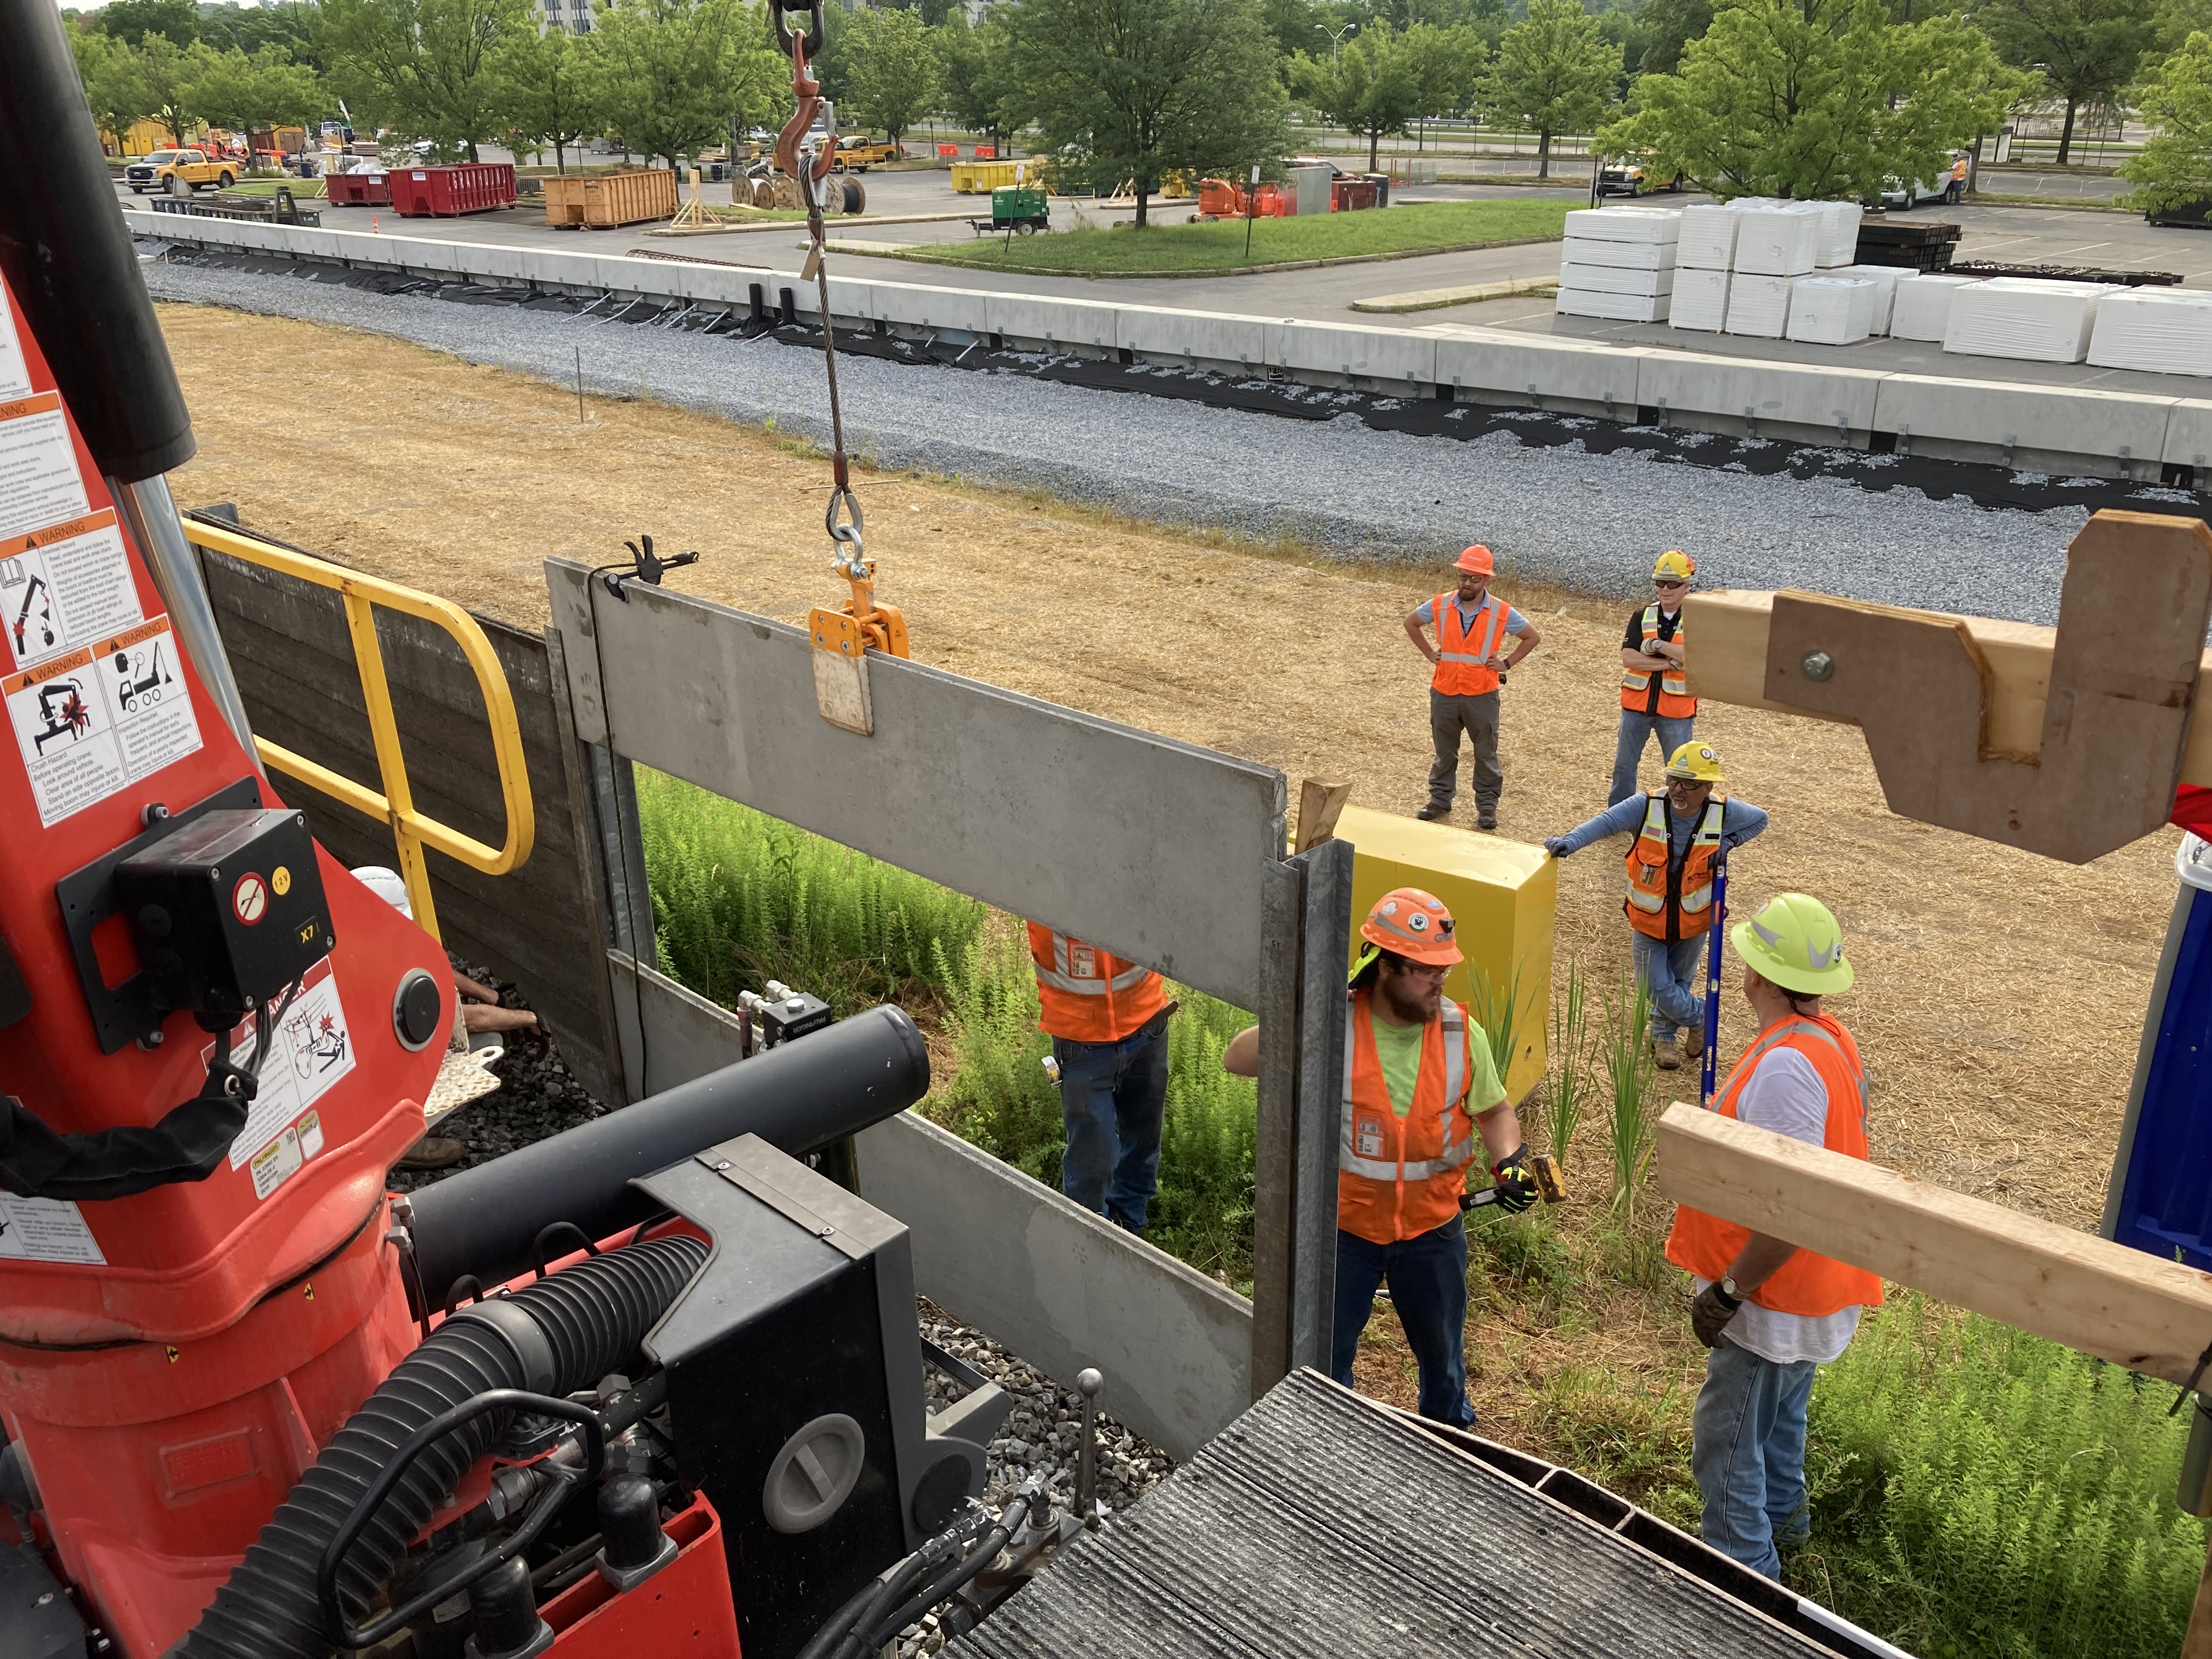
pixel 739 898
pixel 1977 1492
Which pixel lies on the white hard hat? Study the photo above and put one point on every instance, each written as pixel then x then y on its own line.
pixel 388 885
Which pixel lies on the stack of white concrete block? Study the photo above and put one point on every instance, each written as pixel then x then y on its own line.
pixel 2168 331
pixel 1831 310
pixel 2024 318
pixel 1921 308
pixel 1839 240
pixel 1703 254
pixel 1619 263
pixel 1775 242
pixel 1885 280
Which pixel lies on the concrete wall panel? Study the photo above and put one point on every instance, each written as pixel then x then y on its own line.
pixel 1033 319
pixel 1061 1287
pixel 920 306
pixel 1347 348
pixel 1807 401
pixel 1495 367
pixel 2189 434
pixel 962 783
pixel 2043 428
pixel 1158 333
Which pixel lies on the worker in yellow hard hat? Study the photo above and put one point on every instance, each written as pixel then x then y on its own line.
pixel 1473 627
pixel 1680 831
pixel 1422 1086
pixel 1771 1312
pixel 1654 698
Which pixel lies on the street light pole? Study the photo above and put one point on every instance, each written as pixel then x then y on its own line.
pixel 1336 37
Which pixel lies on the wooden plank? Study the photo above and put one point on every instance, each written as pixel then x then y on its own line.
pixel 1728 664
pixel 1321 803
pixel 2136 1310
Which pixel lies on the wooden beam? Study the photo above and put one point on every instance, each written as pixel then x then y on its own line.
pixel 1321 803
pixel 2136 1310
pixel 1727 663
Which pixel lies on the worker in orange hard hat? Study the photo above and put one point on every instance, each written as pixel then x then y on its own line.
pixel 1655 695
pixel 1420 1086
pixel 1472 626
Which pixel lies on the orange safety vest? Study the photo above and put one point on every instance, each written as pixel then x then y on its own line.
pixel 1663 902
pixel 1814 1285
pixel 1463 653
pixel 1675 703
pixel 1399 1177
pixel 1086 994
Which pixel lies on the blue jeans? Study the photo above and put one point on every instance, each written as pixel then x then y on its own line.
pixel 1113 1097
pixel 1427 1274
pixel 1748 1454
pixel 1636 733
pixel 1674 976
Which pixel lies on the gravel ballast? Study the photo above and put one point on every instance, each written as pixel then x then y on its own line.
pixel 1558 512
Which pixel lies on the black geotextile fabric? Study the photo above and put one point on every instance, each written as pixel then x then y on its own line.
pixel 1880 470
pixel 1319 1524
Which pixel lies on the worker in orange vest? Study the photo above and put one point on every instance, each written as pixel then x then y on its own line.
pixel 1472 626
pixel 1771 1312
pixel 1419 1085
pixel 1108 1019
pixel 1680 832
pixel 1655 696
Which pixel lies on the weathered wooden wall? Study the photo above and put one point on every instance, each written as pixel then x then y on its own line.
pixel 540 926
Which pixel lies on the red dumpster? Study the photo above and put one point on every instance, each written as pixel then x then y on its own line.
pixel 1351 194
pixel 358 188
pixel 443 193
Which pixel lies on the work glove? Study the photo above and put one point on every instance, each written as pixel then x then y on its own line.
pixel 1557 847
pixel 1516 1187
pixel 1710 1313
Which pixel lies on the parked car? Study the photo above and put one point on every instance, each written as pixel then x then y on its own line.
pixel 1631 179
pixel 857 153
pixel 177 172
pixel 1896 194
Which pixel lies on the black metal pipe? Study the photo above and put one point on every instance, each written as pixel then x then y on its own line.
pixel 798 1097
pixel 68 258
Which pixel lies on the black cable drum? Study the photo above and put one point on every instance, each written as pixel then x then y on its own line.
pixel 798 1097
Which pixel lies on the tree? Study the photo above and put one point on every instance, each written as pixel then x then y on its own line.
pixel 670 75
pixel 265 90
pixel 1381 79
pixel 2174 169
pixel 542 93
pixel 1667 27
pixel 977 87
pixel 132 21
pixel 112 83
pixel 287 23
pixel 891 67
pixel 1794 97
pixel 165 73
pixel 1126 90
pixel 1554 74
pixel 2088 49
pixel 422 66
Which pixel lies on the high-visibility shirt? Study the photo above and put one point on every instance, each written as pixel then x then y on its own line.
pixel 1669 901
pixel 1089 995
pixel 1675 703
pixel 1399 1177
pixel 1465 646
pixel 1813 1285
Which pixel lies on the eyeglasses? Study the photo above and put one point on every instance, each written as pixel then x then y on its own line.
pixel 1669 584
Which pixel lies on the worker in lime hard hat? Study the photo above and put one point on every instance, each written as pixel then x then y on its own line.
pixel 1473 627
pixel 1654 698
pixel 1771 1312
pixel 1419 1087
pixel 1680 832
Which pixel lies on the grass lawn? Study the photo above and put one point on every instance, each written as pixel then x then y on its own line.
pixel 301 189
pixel 1221 246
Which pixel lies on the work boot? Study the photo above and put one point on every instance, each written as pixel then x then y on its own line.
pixel 1693 1042
pixel 1666 1052
pixel 1432 812
pixel 1487 818
pixel 433 1153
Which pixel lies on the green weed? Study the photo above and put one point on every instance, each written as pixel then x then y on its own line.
pixel 1625 1434
pixel 1629 1070
pixel 1570 1058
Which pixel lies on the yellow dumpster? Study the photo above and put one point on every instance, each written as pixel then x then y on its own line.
pixel 981 178
pixel 1502 894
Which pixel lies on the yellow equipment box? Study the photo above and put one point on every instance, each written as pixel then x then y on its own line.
pixel 1503 895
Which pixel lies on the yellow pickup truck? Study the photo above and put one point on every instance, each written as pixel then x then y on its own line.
pixel 857 153
pixel 177 172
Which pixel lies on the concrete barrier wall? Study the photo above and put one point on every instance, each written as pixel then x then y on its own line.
pixel 2044 428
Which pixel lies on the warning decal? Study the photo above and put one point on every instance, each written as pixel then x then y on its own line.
pixel 15 372
pixel 96 720
pixel 64 587
pixel 39 483
pixel 46 1229
pixel 311 1049
pixel 250 898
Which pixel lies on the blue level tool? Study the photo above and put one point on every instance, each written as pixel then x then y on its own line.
pixel 1713 979
pixel 2160 1196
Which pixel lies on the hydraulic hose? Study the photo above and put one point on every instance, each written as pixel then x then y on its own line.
pixel 560 1334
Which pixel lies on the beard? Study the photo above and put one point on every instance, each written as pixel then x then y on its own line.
pixel 1409 1000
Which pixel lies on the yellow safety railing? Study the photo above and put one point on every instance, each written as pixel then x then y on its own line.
pixel 411 830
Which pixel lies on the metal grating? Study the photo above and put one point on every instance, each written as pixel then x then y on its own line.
pixel 1319 1523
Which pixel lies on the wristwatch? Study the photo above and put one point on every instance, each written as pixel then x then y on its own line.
pixel 1729 1294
